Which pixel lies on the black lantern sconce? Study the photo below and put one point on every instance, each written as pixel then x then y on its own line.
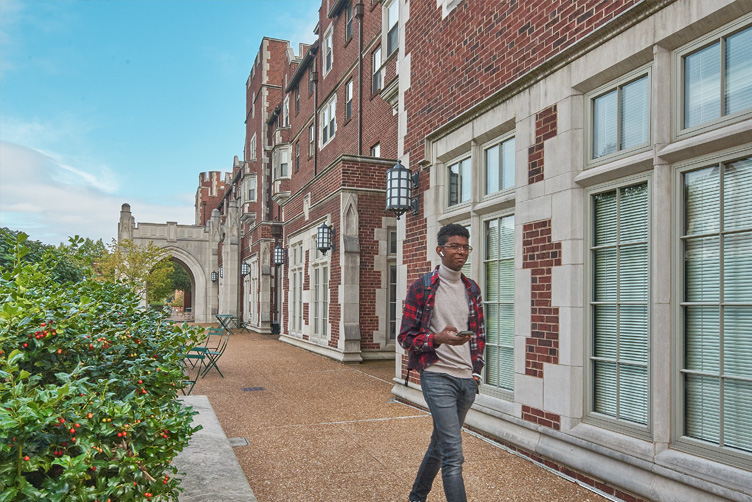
pixel 325 238
pixel 222 272
pixel 214 277
pixel 400 184
pixel 244 269
pixel 279 255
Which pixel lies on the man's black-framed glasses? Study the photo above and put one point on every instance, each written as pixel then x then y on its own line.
pixel 456 247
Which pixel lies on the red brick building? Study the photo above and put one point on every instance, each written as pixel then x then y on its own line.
pixel 600 154
pixel 581 143
pixel 320 135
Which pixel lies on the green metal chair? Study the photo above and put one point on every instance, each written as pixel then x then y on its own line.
pixel 213 355
pixel 193 357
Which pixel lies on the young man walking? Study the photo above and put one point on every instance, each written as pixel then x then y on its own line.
pixel 443 332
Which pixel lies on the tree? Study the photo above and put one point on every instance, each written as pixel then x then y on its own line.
pixel 145 268
pixel 180 279
pixel 65 263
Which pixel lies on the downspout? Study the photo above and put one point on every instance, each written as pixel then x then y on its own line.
pixel 359 16
pixel 315 118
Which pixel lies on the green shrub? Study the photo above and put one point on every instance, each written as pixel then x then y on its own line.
pixel 88 391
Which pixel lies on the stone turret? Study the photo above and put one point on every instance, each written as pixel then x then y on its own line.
pixel 126 223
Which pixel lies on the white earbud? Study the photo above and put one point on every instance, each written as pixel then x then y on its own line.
pixel 441 253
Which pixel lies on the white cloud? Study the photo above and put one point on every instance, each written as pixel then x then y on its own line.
pixel 51 201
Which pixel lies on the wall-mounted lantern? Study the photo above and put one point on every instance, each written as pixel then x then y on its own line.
pixel 279 255
pixel 244 269
pixel 214 277
pixel 400 183
pixel 221 271
pixel 325 238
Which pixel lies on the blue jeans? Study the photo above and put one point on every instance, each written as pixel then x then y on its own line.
pixel 449 399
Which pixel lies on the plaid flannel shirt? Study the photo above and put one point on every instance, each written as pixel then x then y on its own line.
pixel 416 319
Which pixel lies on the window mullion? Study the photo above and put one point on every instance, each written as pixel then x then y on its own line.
pixel 722 273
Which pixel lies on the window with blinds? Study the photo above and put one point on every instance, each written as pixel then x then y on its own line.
pixel 498 302
pixel 716 243
pixel 296 289
pixel 619 308
pixel 717 78
pixel 620 117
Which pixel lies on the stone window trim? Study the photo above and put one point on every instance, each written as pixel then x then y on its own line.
pixel 681 442
pixel 616 85
pixel 589 416
pixel 678 95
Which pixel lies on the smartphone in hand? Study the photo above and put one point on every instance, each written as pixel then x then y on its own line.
pixel 465 334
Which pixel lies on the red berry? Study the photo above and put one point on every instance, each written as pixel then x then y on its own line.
pixel 78 425
pixel 62 420
pixel 26 458
pixel 72 431
pixel 25 345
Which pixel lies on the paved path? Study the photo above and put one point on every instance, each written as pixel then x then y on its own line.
pixel 320 431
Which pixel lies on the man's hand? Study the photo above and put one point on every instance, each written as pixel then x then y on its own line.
pixel 449 336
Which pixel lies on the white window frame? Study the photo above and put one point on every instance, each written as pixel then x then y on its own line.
pixel 680 441
pixel 327 55
pixel 376 76
pixel 252 188
pixel 621 426
pixel 348 100
pixel 459 161
pixel 391 25
pixel 253 105
pixel 281 162
pixel 319 308
pixel 493 390
pixel 295 311
pixel 349 21
pixel 286 112
pixel 311 139
pixel 510 136
pixel 392 248
pixel 252 154
pixel 376 150
pixel 328 117
pixel 618 84
pixel 719 35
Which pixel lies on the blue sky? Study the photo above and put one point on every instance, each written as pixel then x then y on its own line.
pixel 110 101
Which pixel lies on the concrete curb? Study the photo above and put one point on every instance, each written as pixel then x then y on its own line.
pixel 212 471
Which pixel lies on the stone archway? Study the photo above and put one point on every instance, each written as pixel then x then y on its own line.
pixel 195 246
pixel 198 277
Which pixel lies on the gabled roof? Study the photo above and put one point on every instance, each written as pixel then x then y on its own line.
pixel 336 7
pixel 307 58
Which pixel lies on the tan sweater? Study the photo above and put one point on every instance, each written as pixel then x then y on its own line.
pixel 451 309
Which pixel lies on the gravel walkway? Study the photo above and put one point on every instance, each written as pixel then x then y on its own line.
pixel 321 431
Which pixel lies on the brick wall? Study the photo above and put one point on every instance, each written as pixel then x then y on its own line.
pixel 545 128
pixel 540 254
pixel 480 47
